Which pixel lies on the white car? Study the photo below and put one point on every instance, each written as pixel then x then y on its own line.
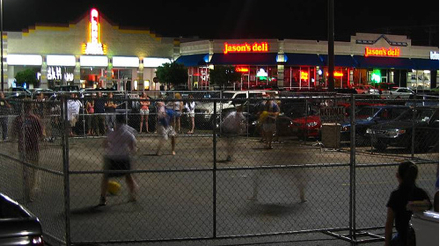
pixel 425 226
pixel 398 93
pixel 366 89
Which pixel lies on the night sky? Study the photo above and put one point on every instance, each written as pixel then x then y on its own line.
pixel 289 19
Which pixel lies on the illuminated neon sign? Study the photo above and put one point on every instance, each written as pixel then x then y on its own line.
pixel 304 75
pixel 336 74
pixel 242 69
pixel 245 48
pixel 94 45
pixel 390 52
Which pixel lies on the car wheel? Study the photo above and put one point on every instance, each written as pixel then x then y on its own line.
pixel 379 145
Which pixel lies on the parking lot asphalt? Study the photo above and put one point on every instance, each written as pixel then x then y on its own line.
pixel 178 199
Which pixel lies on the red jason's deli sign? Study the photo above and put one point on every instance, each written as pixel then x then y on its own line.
pixel 245 47
pixel 384 52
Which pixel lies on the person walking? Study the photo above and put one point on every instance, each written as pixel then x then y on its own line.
pixel 144 111
pixel 178 107
pixel 233 124
pixel 5 110
pixel 190 106
pixel 164 128
pixel 28 129
pixel 269 118
pixel 403 201
pixel 119 145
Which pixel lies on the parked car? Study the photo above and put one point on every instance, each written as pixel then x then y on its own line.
pixel 398 93
pixel 368 116
pixel 366 89
pixel 18 226
pixel 399 132
pixel 205 109
pixel 425 226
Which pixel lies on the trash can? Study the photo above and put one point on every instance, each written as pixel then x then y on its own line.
pixel 331 135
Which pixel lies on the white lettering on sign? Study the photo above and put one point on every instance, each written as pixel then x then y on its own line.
pixel 55 73
pixel 433 55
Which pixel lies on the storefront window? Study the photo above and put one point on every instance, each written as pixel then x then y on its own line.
pixel 93 77
pixel 419 79
pixel 57 76
pixel 13 70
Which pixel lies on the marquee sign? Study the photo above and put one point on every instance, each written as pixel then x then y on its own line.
pixel 94 45
pixel 383 52
pixel 245 47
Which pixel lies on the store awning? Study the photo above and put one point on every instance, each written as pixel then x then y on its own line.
pixel 425 64
pixel 384 62
pixel 303 60
pixel 245 59
pixel 193 60
pixel 341 61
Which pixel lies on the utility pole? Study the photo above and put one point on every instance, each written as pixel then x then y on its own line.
pixel 331 46
pixel 1 44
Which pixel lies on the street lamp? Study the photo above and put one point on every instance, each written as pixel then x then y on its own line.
pixel 1 43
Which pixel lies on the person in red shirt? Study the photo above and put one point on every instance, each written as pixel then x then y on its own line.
pixel 28 129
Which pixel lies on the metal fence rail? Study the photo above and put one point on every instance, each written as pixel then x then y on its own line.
pixel 217 185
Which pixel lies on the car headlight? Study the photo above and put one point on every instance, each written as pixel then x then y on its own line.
pixel 395 132
pixel 312 124
pixel 369 131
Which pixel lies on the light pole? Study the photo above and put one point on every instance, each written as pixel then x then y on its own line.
pixel 331 45
pixel 1 43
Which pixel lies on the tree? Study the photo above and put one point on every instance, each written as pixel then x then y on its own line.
pixel 28 76
pixel 172 73
pixel 224 76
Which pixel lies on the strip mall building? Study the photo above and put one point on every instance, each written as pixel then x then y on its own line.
pixel 93 52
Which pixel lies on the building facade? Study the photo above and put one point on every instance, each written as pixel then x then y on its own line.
pixel 95 53
pixel 302 64
pixel 91 53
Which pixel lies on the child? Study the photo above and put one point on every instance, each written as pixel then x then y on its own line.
pixel 407 198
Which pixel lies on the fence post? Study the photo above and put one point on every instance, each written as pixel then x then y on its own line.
pixel 65 143
pixel 352 215
pixel 214 174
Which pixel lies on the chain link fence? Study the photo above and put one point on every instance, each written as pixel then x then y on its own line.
pixel 222 178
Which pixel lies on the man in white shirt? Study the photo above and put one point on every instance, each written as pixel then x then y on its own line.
pixel 73 106
pixel 118 147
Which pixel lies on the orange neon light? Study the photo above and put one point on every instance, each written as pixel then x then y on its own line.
pixel 390 52
pixel 304 75
pixel 245 47
pixel 94 45
pixel 242 69
pixel 336 74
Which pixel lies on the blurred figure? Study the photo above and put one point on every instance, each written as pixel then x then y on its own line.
pixel 269 117
pixel 164 128
pixel 144 111
pixel 177 107
pixel 28 129
pixel 233 124
pixel 5 110
pixel 190 106
pixel 403 201
pixel 119 145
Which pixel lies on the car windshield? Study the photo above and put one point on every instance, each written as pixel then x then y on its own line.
pixel 366 113
pixel 420 115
